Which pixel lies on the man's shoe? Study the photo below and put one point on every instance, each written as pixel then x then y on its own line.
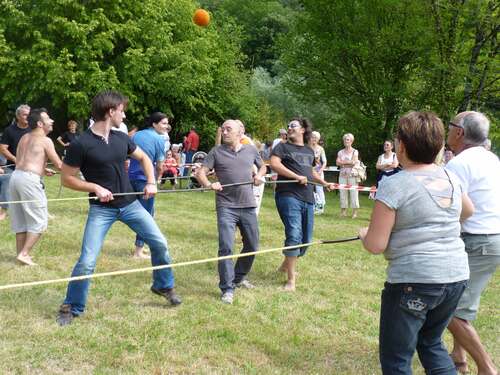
pixel 227 297
pixel 169 294
pixel 245 284
pixel 65 316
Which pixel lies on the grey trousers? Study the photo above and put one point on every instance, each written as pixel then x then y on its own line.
pixel 227 221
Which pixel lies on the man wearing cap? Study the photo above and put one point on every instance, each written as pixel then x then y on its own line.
pixel 478 171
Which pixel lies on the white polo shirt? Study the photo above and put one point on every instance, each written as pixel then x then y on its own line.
pixel 479 173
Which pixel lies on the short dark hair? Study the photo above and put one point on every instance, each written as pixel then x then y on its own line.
pixel 422 134
pixel 154 118
pixel 104 101
pixel 35 116
pixel 306 124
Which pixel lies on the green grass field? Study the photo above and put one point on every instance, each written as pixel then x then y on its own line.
pixel 329 326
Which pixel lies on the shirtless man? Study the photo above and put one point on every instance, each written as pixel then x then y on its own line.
pixel 29 220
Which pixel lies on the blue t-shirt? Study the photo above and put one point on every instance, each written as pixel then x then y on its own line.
pixel 153 144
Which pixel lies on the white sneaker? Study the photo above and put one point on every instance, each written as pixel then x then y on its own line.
pixel 227 297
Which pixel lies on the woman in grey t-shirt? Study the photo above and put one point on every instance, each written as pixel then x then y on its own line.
pixel 415 224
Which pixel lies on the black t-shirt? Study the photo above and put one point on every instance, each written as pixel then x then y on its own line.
pixel 300 160
pixel 103 163
pixel 12 135
pixel 69 137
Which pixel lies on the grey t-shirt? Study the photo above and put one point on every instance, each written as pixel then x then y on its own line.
pixel 233 167
pixel 425 244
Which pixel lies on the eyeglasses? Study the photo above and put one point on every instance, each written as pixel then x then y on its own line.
pixel 455 125
pixel 293 125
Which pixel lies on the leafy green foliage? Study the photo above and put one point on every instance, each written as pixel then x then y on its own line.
pixel 64 52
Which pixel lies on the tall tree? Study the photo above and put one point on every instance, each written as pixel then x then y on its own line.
pixel 62 52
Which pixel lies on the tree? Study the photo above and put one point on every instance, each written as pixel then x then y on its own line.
pixel 359 58
pixel 62 52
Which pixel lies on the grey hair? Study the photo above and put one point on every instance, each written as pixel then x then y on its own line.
pixel 476 128
pixel 487 144
pixel 22 107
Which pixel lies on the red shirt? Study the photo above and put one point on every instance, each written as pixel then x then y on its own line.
pixel 193 141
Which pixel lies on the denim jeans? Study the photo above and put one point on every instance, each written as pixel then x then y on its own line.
pixel 298 218
pixel 99 221
pixel 414 316
pixel 148 204
pixel 4 187
pixel 227 221
pixel 189 159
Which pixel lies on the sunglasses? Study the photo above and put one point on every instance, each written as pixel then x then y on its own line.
pixel 293 125
pixel 454 125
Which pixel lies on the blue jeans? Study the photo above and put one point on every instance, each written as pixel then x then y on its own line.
pixel 99 221
pixel 298 218
pixel 4 187
pixel 148 204
pixel 227 221
pixel 414 316
pixel 189 159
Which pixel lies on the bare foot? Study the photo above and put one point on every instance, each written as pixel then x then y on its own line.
pixel 460 364
pixel 289 286
pixel 26 260
pixel 3 214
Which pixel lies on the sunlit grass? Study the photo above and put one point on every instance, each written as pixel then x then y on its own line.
pixel 329 326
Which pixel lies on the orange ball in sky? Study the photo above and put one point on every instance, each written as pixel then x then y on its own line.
pixel 201 17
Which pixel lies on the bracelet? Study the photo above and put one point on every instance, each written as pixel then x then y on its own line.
pixel 151 183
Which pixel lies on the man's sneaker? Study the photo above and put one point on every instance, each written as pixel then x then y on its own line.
pixel 169 294
pixel 227 297
pixel 65 316
pixel 245 284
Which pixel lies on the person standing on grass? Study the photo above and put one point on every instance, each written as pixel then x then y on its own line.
pixel 233 163
pixel 479 172
pixel 320 165
pixel 347 158
pixel 29 220
pixel 415 223
pixel 191 146
pixel 68 136
pixel 294 160
pixel 152 142
pixel 100 154
pixel 8 147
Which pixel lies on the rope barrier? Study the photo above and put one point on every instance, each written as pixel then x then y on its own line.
pixel 336 187
pixel 171 265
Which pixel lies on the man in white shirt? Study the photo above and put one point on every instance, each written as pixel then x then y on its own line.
pixel 478 170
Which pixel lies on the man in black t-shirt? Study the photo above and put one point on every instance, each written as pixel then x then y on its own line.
pixel 100 155
pixel 8 147
pixel 294 160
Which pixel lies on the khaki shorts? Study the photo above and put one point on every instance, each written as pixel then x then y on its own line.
pixel 484 258
pixel 27 217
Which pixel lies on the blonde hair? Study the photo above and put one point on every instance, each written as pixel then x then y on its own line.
pixel 347 135
pixel 316 134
